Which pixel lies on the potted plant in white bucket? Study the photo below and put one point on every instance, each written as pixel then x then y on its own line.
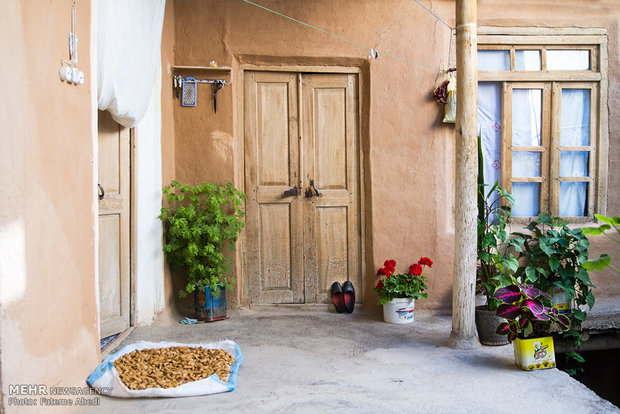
pixel 398 291
pixel 199 222
pixel 529 318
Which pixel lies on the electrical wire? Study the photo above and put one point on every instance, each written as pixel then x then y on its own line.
pixel 336 36
pixel 437 17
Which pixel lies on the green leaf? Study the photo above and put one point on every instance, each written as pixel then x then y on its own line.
pixel 545 219
pixel 530 273
pixel 595 231
pixel 579 315
pixel 590 299
pixel 584 277
pixel 614 221
pixel 576 356
pixel 528 329
pixel 554 263
pixel 598 264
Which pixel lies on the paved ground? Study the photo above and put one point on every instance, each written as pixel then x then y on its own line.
pixel 318 361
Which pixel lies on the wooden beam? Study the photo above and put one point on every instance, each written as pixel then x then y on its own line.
pixel 465 256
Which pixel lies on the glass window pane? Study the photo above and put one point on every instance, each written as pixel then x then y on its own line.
pixel 573 199
pixel 574 164
pixel 568 59
pixel 575 117
pixel 493 60
pixel 527 199
pixel 527 60
pixel 526 117
pixel 489 125
pixel 526 164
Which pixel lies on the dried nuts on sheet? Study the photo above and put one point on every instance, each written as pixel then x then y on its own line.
pixel 171 367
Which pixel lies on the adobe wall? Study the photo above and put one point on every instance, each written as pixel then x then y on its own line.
pixel 49 328
pixel 409 153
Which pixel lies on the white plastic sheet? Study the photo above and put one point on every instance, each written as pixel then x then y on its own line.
pixel 128 56
pixel 105 376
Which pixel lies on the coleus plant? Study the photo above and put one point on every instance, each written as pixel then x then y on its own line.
pixel 523 307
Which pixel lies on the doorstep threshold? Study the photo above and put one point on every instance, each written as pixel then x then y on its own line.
pixel 109 348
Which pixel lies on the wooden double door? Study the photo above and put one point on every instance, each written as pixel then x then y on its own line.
pixel 302 175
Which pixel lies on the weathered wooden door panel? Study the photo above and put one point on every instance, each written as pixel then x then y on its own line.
pixel 297 246
pixel 272 167
pixel 114 222
pixel 330 154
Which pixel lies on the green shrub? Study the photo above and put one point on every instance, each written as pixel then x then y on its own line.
pixel 199 222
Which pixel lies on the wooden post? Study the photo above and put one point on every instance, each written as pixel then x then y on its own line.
pixel 465 255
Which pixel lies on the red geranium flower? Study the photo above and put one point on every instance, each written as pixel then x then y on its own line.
pixel 390 264
pixel 425 261
pixel 380 285
pixel 384 271
pixel 415 269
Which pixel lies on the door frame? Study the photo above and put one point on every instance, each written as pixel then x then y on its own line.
pixel 243 284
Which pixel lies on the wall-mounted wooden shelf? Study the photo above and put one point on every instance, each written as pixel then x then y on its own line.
pixel 179 68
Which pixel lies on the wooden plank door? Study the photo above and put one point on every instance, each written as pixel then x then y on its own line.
pixel 274 221
pixel 331 161
pixel 114 225
pixel 299 244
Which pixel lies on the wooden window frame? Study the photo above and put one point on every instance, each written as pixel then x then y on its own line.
pixel 552 83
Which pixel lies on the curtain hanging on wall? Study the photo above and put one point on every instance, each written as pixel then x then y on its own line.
pixel 128 54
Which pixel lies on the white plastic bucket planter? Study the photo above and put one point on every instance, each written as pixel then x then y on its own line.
pixel 399 310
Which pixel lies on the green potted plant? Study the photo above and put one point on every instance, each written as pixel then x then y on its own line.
pixel 399 291
pixel 529 319
pixel 554 257
pixel 494 264
pixel 199 222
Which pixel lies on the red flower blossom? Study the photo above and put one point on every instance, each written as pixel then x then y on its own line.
pixel 415 269
pixel 425 261
pixel 384 271
pixel 380 285
pixel 390 265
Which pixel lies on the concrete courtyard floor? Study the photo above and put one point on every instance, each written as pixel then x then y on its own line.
pixel 318 361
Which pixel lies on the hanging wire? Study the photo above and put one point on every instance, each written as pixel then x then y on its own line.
pixel 437 17
pixel 336 36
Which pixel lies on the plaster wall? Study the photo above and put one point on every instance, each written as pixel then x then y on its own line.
pixel 408 153
pixel 49 328
pixel 167 140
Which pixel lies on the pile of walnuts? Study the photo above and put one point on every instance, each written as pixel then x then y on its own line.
pixel 171 367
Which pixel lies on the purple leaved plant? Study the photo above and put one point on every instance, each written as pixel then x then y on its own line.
pixel 523 307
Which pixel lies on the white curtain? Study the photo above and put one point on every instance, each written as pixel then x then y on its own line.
pixel 490 128
pixel 128 54
pixel 527 128
pixel 575 131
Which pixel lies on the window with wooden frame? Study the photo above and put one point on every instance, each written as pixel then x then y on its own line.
pixel 542 119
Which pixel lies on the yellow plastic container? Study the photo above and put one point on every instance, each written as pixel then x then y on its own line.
pixel 559 300
pixel 534 353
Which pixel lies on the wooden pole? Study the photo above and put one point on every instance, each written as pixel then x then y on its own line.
pixel 465 255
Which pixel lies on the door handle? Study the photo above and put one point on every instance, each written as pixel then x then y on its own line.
pixel 101 192
pixel 317 194
pixel 292 192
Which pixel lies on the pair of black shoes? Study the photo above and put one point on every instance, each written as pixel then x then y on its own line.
pixel 343 296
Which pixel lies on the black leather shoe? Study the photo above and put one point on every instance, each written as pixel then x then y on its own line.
pixel 349 296
pixel 337 297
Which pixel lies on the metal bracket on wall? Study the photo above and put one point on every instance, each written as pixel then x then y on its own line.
pixel 186 88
